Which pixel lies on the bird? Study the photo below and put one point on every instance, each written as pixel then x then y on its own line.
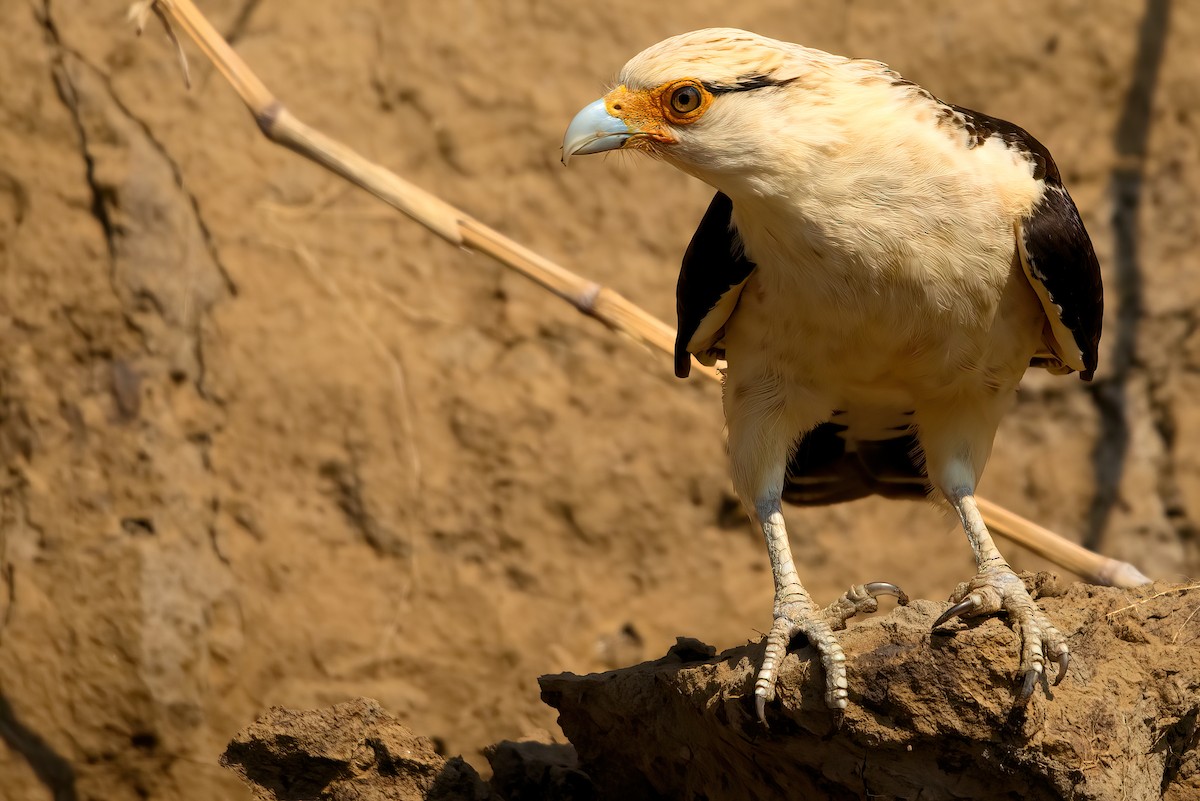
pixel 877 271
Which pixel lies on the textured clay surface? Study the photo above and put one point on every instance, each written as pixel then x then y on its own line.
pixel 267 443
pixel 931 717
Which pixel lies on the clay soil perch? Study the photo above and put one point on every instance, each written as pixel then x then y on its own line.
pixel 930 716
pixel 929 719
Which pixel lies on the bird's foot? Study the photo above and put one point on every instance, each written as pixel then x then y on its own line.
pixel 800 616
pixel 1000 589
pixel 861 599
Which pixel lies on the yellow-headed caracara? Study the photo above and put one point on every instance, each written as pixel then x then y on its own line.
pixel 878 269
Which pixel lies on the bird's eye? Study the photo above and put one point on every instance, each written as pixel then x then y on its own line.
pixel 686 99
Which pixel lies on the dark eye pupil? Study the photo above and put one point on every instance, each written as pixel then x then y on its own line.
pixel 687 99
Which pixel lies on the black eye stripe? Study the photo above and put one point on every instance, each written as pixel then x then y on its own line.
pixel 746 83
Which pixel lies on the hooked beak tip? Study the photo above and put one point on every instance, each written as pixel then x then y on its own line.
pixel 593 130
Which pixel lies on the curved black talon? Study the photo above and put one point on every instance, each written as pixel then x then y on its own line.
pixel 1031 680
pixel 965 605
pixel 1064 659
pixel 877 588
pixel 1033 676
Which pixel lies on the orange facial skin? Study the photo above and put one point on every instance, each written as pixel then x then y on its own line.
pixel 650 112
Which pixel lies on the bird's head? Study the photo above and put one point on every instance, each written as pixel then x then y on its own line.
pixel 715 103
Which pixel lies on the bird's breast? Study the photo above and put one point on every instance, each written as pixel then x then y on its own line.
pixel 884 327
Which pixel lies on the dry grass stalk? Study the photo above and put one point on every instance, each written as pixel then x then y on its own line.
pixel 1150 598
pixel 594 300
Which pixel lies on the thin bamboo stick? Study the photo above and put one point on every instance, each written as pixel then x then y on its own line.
pixel 599 302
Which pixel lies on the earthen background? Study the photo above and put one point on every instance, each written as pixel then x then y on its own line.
pixel 267 442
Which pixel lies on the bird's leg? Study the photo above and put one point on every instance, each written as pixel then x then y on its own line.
pixel 997 588
pixel 764 417
pixel 795 613
pixel 760 435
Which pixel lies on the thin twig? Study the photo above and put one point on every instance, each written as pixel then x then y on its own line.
pixel 1152 597
pixel 1183 626
pixel 138 13
pixel 594 300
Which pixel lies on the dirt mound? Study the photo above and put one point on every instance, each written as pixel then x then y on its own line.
pixel 351 751
pixel 931 717
pixel 358 752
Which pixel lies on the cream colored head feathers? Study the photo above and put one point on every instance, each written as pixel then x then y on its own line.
pixel 722 57
pixel 720 103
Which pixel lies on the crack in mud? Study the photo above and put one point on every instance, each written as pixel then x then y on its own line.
pixel 69 69
pixel 52 769
pixel 69 96
pixel 103 197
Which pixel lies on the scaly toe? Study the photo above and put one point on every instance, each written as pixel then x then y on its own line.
pixel 861 599
pixel 1001 590
pixel 792 619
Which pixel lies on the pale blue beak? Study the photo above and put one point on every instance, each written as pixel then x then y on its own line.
pixel 593 130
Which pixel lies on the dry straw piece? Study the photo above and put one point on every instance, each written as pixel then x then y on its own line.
pixel 594 300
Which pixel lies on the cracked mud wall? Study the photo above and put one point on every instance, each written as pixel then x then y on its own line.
pixel 266 442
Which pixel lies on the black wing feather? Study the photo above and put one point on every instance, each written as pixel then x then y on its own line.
pixel 1060 256
pixel 713 265
pixel 1056 243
